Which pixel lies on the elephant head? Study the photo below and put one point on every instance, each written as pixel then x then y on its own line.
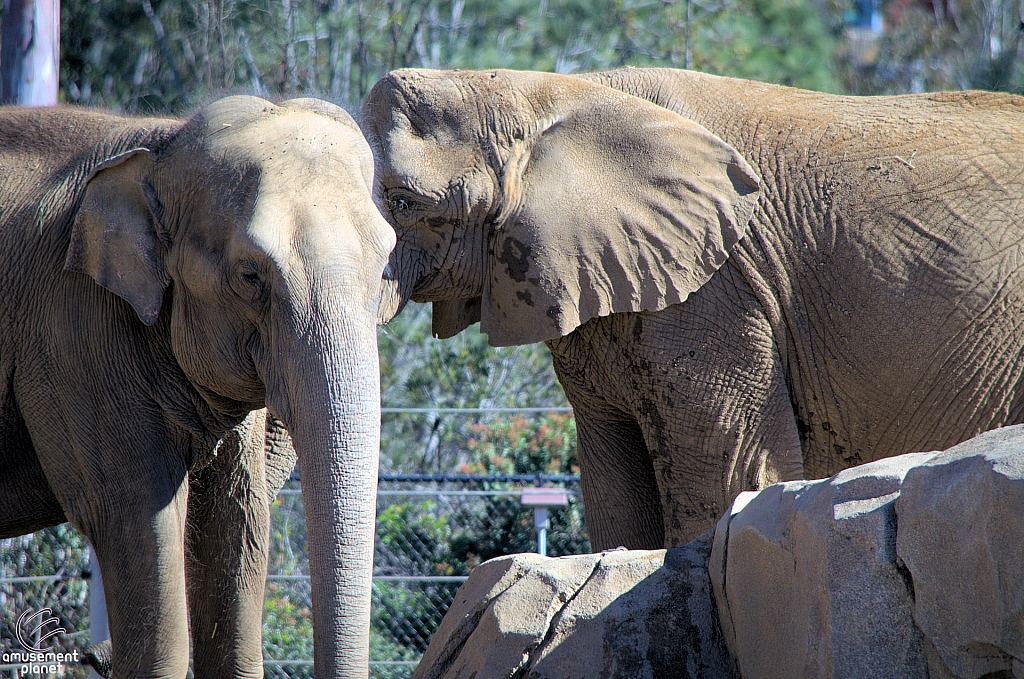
pixel 533 202
pixel 248 237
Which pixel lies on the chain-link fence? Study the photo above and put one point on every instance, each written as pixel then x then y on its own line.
pixel 45 573
pixel 431 533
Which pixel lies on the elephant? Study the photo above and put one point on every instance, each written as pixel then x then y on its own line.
pixel 162 280
pixel 739 283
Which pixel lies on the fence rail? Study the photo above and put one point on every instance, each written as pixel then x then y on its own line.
pixel 431 532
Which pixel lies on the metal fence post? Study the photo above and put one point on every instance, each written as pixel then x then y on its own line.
pixel 98 629
pixel 541 525
pixel 543 499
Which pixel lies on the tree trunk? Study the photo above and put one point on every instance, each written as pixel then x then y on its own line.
pixel 30 52
pixel 291 82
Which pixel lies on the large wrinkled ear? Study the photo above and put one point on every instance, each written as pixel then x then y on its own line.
pixel 612 204
pixel 115 239
pixel 451 316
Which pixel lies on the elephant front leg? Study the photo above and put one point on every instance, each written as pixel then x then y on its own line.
pixel 139 542
pixel 728 430
pixel 228 537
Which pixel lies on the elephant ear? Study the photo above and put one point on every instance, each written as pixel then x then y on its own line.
pixel 451 316
pixel 612 204
pixel 115 239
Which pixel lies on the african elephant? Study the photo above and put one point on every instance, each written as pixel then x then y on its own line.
pixel 739 283
pixel 231 261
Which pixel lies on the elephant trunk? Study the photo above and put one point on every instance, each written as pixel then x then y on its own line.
pixel 391 300
pixel 397 283
pixel 332 411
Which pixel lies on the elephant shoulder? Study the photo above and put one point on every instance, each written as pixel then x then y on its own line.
pixel 49 154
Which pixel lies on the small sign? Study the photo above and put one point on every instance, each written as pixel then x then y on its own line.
pixel 544 497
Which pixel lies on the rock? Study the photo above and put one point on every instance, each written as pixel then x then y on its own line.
pixel 909 567
pixel 501 614
pixel 634 614
pixel 961 536
pixel 807 579
pixel 651 614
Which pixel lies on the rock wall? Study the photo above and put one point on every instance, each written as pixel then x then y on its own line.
pixel 907 567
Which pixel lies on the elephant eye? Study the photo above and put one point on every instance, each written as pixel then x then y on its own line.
pixel 252 285
pixel 405 208
pixel 399 204
pixel 408 208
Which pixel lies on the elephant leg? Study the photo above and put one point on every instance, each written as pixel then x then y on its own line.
pixel 125 488
pixel 706 382
pixel 140 544
pixel 700 389
pixel 620 493
pixel 228 536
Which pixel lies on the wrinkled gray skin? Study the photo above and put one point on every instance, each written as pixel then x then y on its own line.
pixel 738 282
pixel 161 280
pixel 226 549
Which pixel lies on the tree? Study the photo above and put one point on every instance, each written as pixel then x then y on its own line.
pixel 30 52
pixel 944 45
pixel 418 371
pixel 170 53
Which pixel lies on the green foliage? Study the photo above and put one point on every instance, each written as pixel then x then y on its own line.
pixel 287 625
pixel 451 538
pixel 461 372
pixel 418 531
pixel 777 41
pixel 116 54
pixel 944 46
pixel 60 551
pixel 520 446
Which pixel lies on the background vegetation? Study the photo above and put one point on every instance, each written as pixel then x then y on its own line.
pixel 167 55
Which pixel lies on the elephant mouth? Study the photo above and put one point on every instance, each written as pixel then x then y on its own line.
pixel 226 412
pixel 435 286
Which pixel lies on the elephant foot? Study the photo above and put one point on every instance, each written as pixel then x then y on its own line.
pixel 98 657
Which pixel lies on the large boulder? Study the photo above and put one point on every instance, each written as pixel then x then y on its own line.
pixel 808 581
pixel 620 614
pixel 907 567
pixel 961 537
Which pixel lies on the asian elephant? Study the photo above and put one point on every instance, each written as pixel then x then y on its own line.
pixel 161 280
pixel 739 282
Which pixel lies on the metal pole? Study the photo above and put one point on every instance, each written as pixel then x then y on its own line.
pixel 30 52
pixel 98 629
pixel 541 523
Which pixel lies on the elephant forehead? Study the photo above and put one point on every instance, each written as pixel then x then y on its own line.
pixel 296 144
pixel 326 220
pixel 428 163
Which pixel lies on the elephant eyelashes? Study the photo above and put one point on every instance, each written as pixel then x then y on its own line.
pixel 253 287
pixel 406 208
pixel 399 204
